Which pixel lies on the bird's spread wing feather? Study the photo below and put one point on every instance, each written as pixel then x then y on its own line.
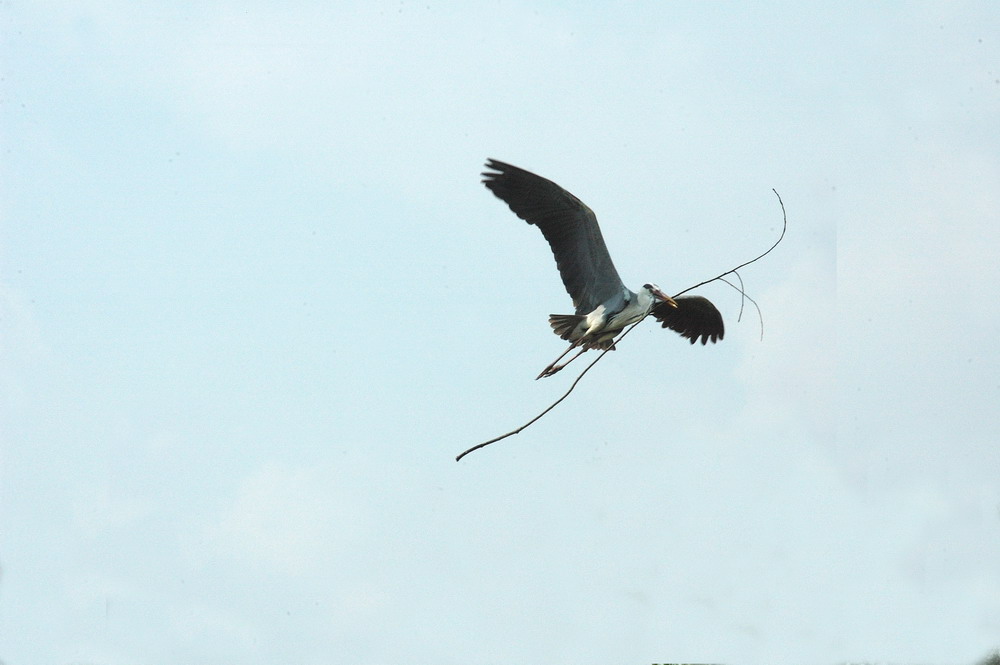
pixel 570 228
pixel 693 317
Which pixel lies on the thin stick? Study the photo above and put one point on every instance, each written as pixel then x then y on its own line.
pixel 551 406
pixel 760 317
pixel 721 277
pixel 743 293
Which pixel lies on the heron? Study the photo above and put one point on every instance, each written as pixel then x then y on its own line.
pixel 604 305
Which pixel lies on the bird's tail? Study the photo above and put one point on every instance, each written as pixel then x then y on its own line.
pixel 565 325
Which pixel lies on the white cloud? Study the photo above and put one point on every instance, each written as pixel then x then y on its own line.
pixel 98 508
pixel 285 519
pixel 917 326
pixel 22 348
pixel 791 374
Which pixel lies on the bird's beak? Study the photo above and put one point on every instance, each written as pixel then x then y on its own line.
pixel 665 298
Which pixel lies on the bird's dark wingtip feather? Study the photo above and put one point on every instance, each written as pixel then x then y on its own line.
pixel 496 166
pixel 490 176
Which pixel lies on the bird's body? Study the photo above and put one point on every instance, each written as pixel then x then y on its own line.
pixel 598 328
pixel 604 305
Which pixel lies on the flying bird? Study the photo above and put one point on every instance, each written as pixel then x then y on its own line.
pixel 604 305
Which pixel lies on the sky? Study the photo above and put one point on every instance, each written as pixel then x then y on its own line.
pixel 254 300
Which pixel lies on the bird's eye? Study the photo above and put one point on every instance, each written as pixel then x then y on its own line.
pixel 648 286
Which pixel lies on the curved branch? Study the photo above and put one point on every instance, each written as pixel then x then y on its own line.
pixel 784 227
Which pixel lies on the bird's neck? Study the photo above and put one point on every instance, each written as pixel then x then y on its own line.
pixel 644 301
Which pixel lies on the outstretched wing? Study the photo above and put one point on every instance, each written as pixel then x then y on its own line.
pixel 693 317
pixel 570 228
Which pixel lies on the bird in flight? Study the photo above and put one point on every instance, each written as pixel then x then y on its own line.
pixel 604 305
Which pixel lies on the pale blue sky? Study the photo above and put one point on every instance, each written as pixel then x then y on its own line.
pixel 254 300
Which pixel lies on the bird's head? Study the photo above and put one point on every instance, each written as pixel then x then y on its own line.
pixel 658 295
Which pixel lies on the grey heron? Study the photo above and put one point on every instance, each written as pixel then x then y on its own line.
pixel 604 305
